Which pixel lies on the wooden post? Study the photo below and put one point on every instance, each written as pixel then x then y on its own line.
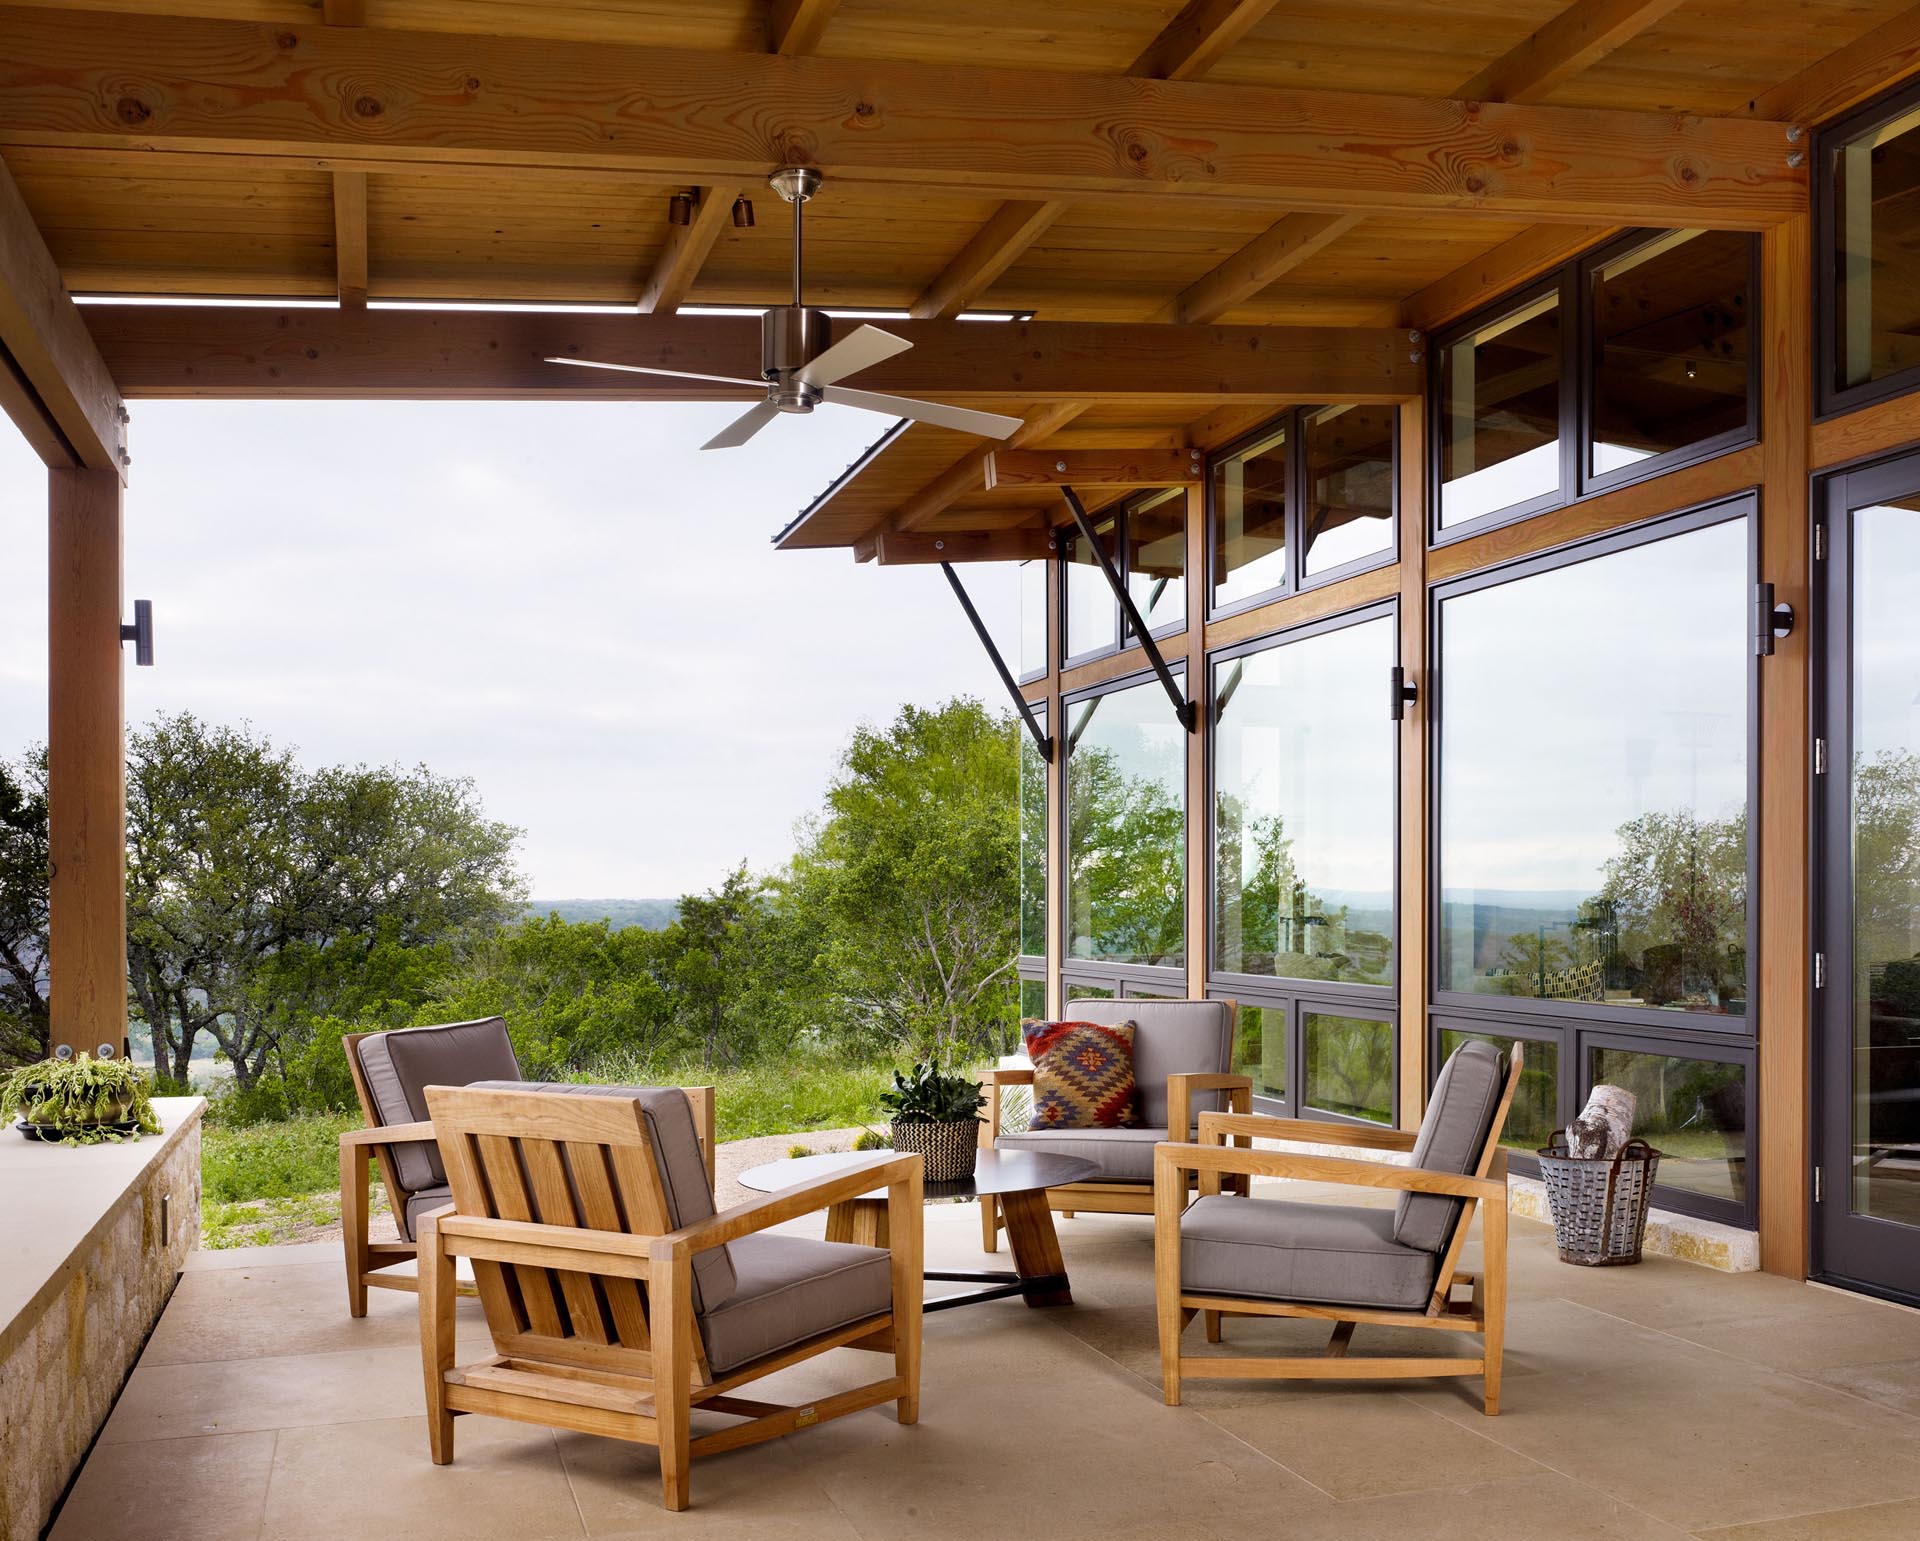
pixel 1199 824
pixel 86 762
pixel 1413 764
pixel 1783 1103
pixel 1056 798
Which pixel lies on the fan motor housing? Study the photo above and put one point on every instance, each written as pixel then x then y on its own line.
pixel 791 337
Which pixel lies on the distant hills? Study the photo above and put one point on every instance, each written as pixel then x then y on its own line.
pixel 648 914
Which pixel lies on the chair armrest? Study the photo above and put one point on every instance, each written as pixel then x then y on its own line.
pixel 1216 1127
pixel 883 1170
pixel 1181 1086
pixel 386 1134
pixel 991 1081
pixel 1327 1169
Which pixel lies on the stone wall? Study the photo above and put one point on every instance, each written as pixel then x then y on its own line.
pixel 63 1368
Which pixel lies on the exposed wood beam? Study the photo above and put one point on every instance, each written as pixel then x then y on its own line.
pixel 996 246
pixel 58 389
pixel 687 249
pixel 1192 43
pixel 350 237
pixel 964 476
pixel 1876 62
pixel 1574 40
pixel 1512 263
pixel 169 82
pixel 230 352
pixel 344 13
pixel 796 26
pixel 1016 470
pixel 1260 263
pixel 897 548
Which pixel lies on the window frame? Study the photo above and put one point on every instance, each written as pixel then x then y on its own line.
pixel 1026 964
pixel 1124 636
pixel 1034 676
pixel 1744 506
pixel 1293 1007
pixel 1355 992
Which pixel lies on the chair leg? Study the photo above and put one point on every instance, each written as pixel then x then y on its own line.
pixel 1213 1326
pixel 1491 1286
pixel 1169 1198
pixel 436 1338
pixel 906 1243
pixel 353 1224
pixel 672 1317
pixel 989 1224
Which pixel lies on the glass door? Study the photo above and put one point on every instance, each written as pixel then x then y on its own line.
pixel 1867 1213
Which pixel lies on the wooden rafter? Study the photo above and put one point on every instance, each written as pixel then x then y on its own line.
pixel 686 251
pixel 965 475
pixel 1193 42
pixel 994 248
pixel 1270 255
pixel 53 382
pixel 1575 39
pixel 344 13
pixel 796 26
pixel 350 237
pixel 1885 57
pixel 193 84
pixel 1512 263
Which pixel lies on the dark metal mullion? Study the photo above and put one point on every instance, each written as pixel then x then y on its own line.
pixel 1183 708
pixel 1042 739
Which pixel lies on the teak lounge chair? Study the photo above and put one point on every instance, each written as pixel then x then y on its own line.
pixel 391 1073
pixel 1182 1065
pixel 1232 1256
pixel 620 1302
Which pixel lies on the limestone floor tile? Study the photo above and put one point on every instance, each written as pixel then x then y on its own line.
pixel 1363 1441
pixel 326 1253
pixel 1894 1385
pixel 767 1491
pixel 347 1479
pixel 272 1310
pixel 1823 1336
pixel 1876 1522
pixel 1517 1509
pixel 168 1401
pixel 213 1488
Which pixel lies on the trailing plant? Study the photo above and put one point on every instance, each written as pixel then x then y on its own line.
pixel 82 1098
pixel 928 1097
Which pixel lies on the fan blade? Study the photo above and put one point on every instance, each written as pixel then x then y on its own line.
pixel 743 427
pixel 990 425
pixel 856 351
pixel 676 374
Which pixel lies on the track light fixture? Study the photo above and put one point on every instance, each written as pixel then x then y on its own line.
pixel 743 212
pixel 680 209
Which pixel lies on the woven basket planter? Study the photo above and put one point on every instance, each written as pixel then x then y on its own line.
pixel 947 1149
pixel 1599 1205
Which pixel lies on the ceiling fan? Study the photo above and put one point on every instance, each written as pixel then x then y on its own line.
pixel 797 368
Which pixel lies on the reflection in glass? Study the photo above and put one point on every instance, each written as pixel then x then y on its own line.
pixel 1157 557
pixel 1126 828
pixel 1886 861
pixel 1260 1049
pixel 1349 485
pixel 1249 497
pixel 1033 841
pixel 1693 1111
pixel 1078 992
pixel 1303 808
pixel 1876 225
pixel 1593 780
pixel 1033 1000
pixel 1535 1113
pixel 1093 614
pixel 1033 619
pixel 1349 1066
pixel 1500 413
pixel 1671 345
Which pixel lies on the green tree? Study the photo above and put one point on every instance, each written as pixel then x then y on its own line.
pixel 1126 844
pixel 1680 881
pixel 712 963
pixel 25 1030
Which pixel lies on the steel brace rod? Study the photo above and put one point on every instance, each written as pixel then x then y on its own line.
pixel 1044 741
pixel 1184 709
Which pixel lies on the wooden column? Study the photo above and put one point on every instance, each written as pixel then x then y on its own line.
pixel 1413 766
pixel 1783 1104
pixel 86 761
pixel 1056 801
pixel 1199 820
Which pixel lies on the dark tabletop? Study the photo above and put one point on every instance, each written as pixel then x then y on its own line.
pixel 996 1171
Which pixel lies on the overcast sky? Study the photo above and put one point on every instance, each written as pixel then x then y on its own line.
pixel 567 602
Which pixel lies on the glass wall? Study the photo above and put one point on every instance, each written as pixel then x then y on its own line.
pixel 1260 1049
pixel 1247 489
pixel 1093 614
pixel 1033 619
pixel 1126 828
pixel 1693 1111
pixel 1347 513
pixel 1349 1066
pixel 1594 780
pixel 1033 841
pixel 1870 166
pixel 1156 568
pixel 1535 1113
pixel 1304 807
pixel 1499 413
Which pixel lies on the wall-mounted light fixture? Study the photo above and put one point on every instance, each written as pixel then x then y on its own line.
pixel 680 209
pixel 140 633
pixel 743 212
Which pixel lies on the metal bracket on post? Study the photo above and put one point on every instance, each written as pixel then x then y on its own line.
pixel 1043 741
pixel 1185 710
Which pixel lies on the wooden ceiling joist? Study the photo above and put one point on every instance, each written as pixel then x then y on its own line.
pixel 1192 43
pixel 687 249
pixel 1256 266
pixel 344 13
pixel 237 87
pixel 996 247
pixel 796 26
pixel 1024 470
pixel 1575 39
pixel 350 237
pixel 1887 56
pixel 53 382
pixel 899 548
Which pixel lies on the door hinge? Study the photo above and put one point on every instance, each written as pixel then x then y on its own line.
pixel 1819 1194
pixel 1819 543
pixel 1819 971
pixel 1819 757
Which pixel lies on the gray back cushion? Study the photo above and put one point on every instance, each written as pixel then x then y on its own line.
pixel 401 1065
pixel 1169 1037
pixel 1452 1136
pixel 683 1170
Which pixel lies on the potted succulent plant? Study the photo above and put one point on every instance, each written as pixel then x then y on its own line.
pixel 939 1117
pixel 79 1101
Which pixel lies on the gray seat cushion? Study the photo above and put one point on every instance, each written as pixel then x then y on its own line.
pixel 1452 1136
pixel 1325 1253
pixel 790 1288
pixel 683 1170
pixel 1169 1037
pixel 399 1066
pixel 1124 1155
pixel 418 1204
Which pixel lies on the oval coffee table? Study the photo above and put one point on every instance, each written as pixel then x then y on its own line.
pixel 1019 1179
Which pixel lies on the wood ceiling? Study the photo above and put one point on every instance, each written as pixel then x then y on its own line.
pixel 1368 165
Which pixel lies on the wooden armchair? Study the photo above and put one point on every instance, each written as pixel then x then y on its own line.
pixel 391 1072
pixel 1183 1065
pixel 1233 1256
pixel 621 1303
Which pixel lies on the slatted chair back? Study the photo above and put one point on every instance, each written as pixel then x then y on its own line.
pixel 1492 1161
pixel 551 1159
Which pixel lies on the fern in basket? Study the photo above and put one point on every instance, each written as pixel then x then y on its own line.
pixel 81 1099
pixel 928 1097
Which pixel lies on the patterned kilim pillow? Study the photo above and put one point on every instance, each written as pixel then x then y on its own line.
pixel 1082 1075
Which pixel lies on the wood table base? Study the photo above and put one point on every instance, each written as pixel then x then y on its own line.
pixel 1040 1276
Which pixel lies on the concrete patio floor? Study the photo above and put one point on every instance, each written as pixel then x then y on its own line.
pixel 1657 1401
